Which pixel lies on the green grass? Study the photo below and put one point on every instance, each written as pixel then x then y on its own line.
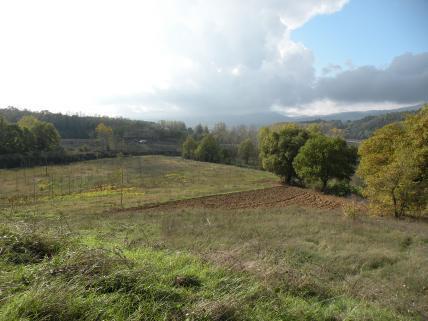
pixel 97 185
pixel 67 258
pixel 86 282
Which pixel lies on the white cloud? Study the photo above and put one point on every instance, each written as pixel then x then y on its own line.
pixel 326 106
pixel 173 58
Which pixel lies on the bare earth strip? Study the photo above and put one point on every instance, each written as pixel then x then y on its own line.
pixel 274 197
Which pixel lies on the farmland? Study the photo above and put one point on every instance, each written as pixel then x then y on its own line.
pixel 161 238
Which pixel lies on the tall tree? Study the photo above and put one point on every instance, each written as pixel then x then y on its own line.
pixel 246 150
pixel 105 135
pixel 188 148
pixel 208 150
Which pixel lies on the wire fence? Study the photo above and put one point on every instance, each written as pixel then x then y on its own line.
pixel 26 186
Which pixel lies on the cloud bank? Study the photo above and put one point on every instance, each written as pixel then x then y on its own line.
pixel 175 59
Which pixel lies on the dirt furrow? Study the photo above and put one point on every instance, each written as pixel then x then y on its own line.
pixel 274 197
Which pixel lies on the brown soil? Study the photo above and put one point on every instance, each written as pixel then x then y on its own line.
pixel 274 197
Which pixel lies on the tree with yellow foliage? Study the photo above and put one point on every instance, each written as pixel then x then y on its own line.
pixel 394 166
pixel 105 134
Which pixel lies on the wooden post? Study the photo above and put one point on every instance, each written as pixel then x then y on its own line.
pixel 121 189
pixel 34 189
pixel 52 187
pixel 69 182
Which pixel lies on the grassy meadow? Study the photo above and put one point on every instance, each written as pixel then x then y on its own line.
pixel 67 253
pixel 106 184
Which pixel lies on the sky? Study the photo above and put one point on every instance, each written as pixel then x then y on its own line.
pixel 182 59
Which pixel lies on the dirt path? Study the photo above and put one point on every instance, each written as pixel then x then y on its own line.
pixel 274 197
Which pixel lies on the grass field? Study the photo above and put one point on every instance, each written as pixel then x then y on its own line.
pixel 100 185
pixel 72 256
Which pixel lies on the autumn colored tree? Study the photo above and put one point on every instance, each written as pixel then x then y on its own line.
pixel 394 166
pixel 105 135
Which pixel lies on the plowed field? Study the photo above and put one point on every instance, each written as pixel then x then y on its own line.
pixel 274 197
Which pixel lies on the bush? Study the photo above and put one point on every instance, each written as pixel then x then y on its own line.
pixel 351 210
pixel 339 188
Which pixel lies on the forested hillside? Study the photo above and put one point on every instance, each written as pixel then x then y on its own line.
pixel 358 129
pixel 78 126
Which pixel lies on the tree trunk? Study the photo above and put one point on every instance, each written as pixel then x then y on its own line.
pixel 394 200
pixel 324 185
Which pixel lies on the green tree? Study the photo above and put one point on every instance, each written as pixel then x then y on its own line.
pixel 105 135
pixel 278 148
pixel 323 158
pixel 246 150
pixel 3 135
pixel 188 148
pixel 208 150
pixel 44 135
pixel 394 166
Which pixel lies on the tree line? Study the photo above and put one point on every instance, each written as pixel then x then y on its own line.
pixel 28 135
pixel 235 145
pixel 357 129
pixel 83 127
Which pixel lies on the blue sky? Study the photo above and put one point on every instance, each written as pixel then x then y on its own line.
pixel 367 32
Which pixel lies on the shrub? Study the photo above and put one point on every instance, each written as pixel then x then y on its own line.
pixel 351 210
pixel 339 188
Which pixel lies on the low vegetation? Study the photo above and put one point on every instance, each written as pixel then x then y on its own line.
pixel 73 257
pixel 220 265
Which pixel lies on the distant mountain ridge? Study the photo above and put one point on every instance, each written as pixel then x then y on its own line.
pixel 267 118
pixel 356 115
pixel 363 128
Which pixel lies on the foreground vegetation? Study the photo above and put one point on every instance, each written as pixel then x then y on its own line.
pixel 73 257
pixel 128 268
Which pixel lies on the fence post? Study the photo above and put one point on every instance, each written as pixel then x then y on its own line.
pixel 34 189
pixel 121 189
